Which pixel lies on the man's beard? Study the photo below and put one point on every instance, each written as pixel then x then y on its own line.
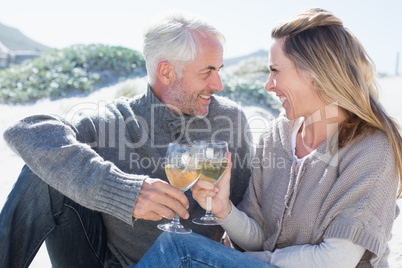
pixel 184 102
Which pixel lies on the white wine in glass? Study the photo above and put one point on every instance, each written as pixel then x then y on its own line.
pixel 183 167
pixel 213 166
pixel 213 170
pixel 182 177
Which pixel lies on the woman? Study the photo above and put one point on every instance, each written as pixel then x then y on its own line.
pixel 325 179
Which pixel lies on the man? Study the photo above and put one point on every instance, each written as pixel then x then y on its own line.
pixel 96 188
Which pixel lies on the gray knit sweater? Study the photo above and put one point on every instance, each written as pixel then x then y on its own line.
pixel 101 156
pixel 349 195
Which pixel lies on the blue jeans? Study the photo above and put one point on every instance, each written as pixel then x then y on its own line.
pixel 34 212
pixel 193 250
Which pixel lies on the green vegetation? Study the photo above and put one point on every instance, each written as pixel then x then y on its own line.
pixel 245 83
pixel 84 68
pixel 59 73
pixel 248 91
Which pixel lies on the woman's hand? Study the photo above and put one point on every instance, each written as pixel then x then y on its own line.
pixel 220 192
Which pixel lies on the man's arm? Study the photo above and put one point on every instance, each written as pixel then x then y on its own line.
pixel 51 149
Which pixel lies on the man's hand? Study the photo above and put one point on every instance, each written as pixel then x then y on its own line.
pixel 158 199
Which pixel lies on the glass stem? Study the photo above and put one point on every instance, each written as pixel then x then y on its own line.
pixel 209 205
pixel 208 212
pixel 176 219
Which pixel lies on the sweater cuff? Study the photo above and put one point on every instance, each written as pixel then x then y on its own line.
pixel 118 196
pixel 231 220
pixel 357 235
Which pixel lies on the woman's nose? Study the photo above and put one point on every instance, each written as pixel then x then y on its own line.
pixel 270 84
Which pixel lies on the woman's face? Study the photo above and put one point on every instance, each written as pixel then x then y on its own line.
pixel 294 87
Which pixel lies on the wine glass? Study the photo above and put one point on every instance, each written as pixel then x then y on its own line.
pixel 182 167
pixel 214 164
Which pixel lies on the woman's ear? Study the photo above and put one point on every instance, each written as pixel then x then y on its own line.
pixel 309 78
pixel 166 73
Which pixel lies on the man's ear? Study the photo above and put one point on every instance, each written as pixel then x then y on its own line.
pixel 166 73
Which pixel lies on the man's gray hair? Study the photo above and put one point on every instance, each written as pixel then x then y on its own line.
pixel 174 37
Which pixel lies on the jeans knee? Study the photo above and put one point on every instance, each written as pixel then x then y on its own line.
pixel 28 180
pixel 33 189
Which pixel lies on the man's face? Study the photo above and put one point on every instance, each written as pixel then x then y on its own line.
pixel 200 80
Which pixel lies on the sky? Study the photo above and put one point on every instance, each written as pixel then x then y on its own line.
pixel 245 23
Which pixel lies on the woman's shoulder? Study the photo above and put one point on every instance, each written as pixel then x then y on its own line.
pixel 373 151
pixel 377 141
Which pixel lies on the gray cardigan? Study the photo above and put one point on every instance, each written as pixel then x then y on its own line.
pixel 100 157
pixel 350 195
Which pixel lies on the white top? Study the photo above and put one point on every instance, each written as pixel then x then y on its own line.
pixel 298 123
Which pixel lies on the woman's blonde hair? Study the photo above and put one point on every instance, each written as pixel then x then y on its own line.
pixel 317 42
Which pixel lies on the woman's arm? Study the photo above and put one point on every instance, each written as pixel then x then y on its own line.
pixel 332 252
pixel 243 230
